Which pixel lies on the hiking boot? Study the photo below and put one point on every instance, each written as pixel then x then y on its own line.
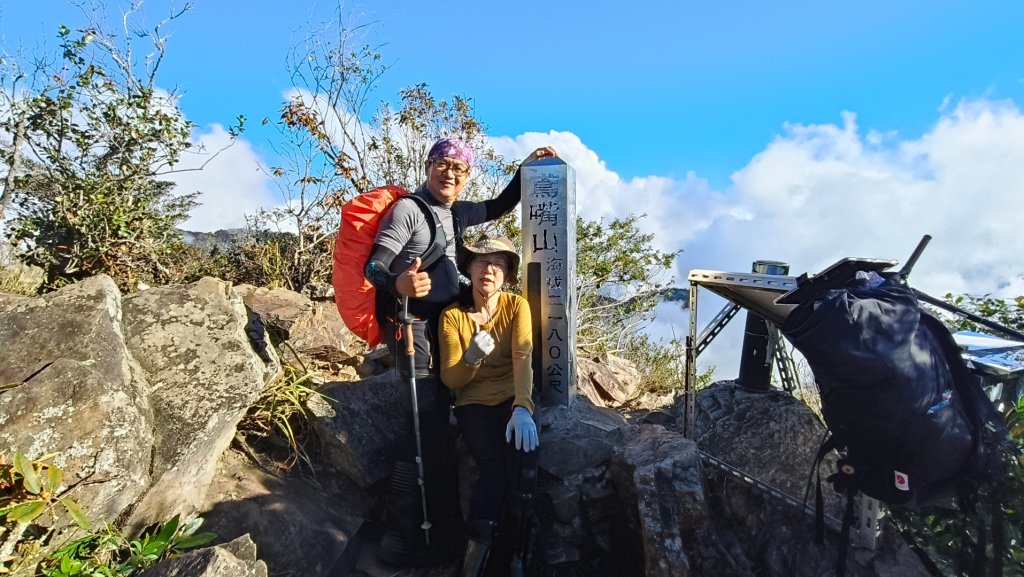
pixel 481 533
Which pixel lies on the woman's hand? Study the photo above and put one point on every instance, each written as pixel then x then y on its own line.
pixel 479 347
pixel 525 429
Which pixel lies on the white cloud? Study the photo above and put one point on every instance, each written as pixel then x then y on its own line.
pixel 821 192
pixel 231 184
pixel 602 194
pixel 818 193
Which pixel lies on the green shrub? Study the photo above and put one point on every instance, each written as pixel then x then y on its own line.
pixel 30 489
pixel 661 365
pixel 108 553
pixel 281 410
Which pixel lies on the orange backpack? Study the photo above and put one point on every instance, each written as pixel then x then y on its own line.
pixel 360 219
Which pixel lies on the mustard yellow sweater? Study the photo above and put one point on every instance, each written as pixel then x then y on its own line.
pixel 506 372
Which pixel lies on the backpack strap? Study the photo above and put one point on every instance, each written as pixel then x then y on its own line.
pixel 980 409
pixel 844 533
pixel 998 530
pixel 827 445
pixel 436 251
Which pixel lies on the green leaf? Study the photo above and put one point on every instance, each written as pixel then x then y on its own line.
pixel 76 513
pixel 154 549
pixel 166 531
pixel 190 527
pixel 27 470
pixel 195 541
pixel 26 512
pixel 54 475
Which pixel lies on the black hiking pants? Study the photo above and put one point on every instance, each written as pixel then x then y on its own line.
pixel 433 399
pixel 404 542
pixel 483 431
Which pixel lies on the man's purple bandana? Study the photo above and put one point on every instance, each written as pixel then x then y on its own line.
pixel 452 148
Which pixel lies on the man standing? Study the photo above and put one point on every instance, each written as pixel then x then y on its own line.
pixel 434 222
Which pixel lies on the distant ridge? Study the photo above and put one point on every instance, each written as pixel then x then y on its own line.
pixel 222 240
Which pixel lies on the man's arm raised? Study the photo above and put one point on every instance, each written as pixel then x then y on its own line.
pixel 510 195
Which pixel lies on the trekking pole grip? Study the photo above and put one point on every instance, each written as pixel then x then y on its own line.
pixel 410 348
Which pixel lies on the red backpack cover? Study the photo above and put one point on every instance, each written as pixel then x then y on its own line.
pixel 355 296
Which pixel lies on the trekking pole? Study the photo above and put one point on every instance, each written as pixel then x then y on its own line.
pixel 410 353
pixel 921 295
pixel 905 271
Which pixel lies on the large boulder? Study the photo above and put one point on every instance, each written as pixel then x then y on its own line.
pixel 770 434
pixel 579 437
pixel 607 381
pixel 658 475
pixel 359 425
pixel 9 300
pixel 78 392
pixel 299 527
pixel 620 496
pixel 234 559
pixel 279 308
pixel 773 438
pixel 191 343
pixel 581 511
pixel 312 329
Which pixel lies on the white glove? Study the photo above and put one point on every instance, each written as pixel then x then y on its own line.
pixel 526 430
pixel 479 347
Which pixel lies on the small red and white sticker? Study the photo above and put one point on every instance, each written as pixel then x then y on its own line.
pixel 902 481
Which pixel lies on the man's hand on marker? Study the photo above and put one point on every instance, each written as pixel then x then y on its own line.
pixel 541 152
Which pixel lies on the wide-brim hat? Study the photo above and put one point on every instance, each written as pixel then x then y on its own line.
pixel 490 245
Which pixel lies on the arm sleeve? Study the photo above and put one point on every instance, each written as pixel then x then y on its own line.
pixel 378 269
pixel 474 213
pixel 502 204
pixel 522 355
pixel 455 374
pixel 394 235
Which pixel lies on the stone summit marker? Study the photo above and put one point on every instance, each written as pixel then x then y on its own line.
pixel 549 262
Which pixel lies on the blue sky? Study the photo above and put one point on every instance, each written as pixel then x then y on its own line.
pixel 662 87
pixel 793 130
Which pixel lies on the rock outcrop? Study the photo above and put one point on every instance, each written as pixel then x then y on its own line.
pixel 203 376
pixel 77 392
pixel 607 381
pixel 659 475
pixel 298 527
pixel 773 437
pixel 140 397
pixel 312 330
pixel 135 398
pixel 356 423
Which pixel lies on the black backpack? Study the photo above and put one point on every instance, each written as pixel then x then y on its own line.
pixel 913 425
